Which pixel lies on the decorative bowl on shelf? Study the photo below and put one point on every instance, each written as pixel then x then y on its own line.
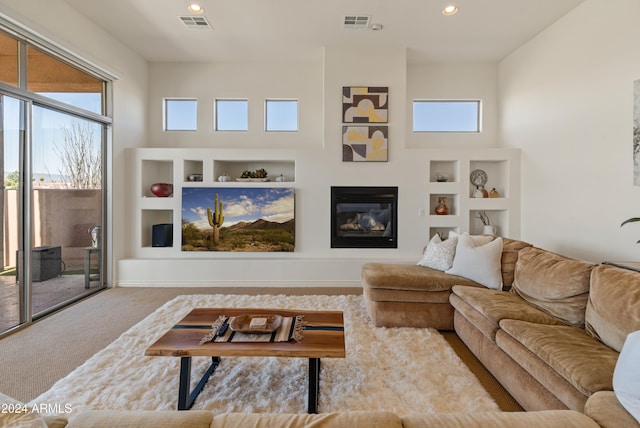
pixel 162 190
pixel 441 178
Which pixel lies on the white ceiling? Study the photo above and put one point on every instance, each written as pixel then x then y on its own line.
pixel 297 30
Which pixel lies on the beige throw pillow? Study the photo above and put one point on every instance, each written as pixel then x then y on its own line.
pixel 439 254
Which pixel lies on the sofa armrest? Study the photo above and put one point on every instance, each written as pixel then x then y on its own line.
pixel 604 408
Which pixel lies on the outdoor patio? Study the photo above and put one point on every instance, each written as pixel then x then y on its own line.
pixel 46 294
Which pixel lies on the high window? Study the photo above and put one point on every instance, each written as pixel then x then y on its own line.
pixel 281 115
pixel 180 114
pixel 231 115
pixel 446 116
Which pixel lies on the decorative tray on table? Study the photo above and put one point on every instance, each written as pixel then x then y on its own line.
pixel 255 323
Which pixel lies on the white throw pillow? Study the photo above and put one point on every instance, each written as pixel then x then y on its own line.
pixel 626 376
pixel 439 254
pixel 482 264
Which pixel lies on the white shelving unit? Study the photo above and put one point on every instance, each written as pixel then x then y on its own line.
pixel 175 166
pixel 503 173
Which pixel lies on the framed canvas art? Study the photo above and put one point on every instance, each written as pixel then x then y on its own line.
pixel 365 104
pixel 364 143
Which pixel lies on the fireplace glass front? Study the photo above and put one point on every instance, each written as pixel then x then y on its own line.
pixel 364 217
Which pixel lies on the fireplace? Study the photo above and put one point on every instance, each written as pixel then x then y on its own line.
pixel 364 217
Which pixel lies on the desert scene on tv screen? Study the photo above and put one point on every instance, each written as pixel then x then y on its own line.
pixel 238 219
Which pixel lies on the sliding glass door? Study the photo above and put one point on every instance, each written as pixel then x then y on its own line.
pixel 53 141
pixel 12 141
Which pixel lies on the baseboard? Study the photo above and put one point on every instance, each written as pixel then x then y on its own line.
pixel 253 272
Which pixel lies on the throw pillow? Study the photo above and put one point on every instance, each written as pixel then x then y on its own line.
pixel 626 376
pixel 481 264
pixel 439 254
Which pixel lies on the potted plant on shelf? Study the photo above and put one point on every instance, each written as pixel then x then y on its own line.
pixel 631 220
pixel 486 223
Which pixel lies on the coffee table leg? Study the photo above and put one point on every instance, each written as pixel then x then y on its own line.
pixel 314 385
pixel 185 397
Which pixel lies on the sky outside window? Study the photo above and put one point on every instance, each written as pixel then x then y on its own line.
pixel 281 115
pixel 232 115
pixel 180 115
pixel 446 116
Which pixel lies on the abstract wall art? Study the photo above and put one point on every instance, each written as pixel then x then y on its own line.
pixel 365 104
pixel 238 219
pixel 364 143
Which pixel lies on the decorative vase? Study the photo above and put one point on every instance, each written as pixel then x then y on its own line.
pixel 281 178
pixel 477 193
pixel 488 230
pixel 95 232
pixel 441 208
pixel 494 193
pixel 162 190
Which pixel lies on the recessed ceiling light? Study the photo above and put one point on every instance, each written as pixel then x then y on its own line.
pixel 195 8
pixel 450 10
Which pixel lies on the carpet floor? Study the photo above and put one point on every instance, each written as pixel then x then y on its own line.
pixel 403 370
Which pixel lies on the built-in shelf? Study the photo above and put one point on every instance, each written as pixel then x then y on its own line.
pixel 150 217
pixel 502 167
pixel 154 171
pixel 185 168
pixel 444 168
pixel 274 168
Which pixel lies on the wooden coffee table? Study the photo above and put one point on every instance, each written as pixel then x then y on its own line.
pixel 323 338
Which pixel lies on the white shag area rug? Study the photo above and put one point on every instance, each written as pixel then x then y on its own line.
pixel 402 370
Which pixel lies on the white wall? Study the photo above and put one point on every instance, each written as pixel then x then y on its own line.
pixel 566 99
pixel 454 82
pixel 317 150
pixel 55 20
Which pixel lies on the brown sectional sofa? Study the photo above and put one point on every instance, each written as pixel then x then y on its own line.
pixel 554 340
pixel 360 419
pixel 551 337
pixel 404 295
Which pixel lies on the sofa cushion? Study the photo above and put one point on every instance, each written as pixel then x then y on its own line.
pixel 141 419
pixel 369 419
pixel 547 419
pixel 486 308
pixel 510 251
pixel 585 363
pixel 604 408
pixel 478 263
pixel 397 276
pixel 553 283
pixel 613 310
pixel 439 254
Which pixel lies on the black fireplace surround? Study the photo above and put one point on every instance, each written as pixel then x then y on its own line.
pixel 364 217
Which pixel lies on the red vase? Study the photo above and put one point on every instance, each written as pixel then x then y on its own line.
pixel 162 190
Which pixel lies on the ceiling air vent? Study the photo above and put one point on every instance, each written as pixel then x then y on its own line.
pixel 196 22
pixel 356 22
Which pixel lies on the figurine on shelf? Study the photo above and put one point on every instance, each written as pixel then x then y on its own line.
pixel 494 193
pixel 441 208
